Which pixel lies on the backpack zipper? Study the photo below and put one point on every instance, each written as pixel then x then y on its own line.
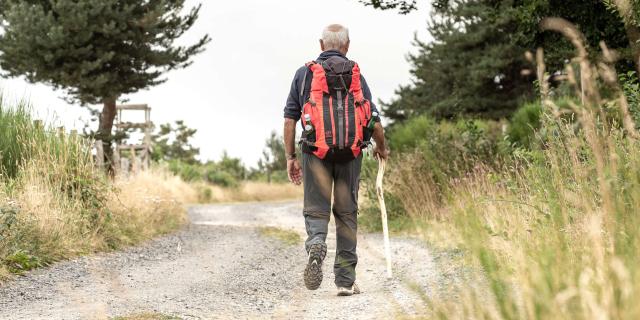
pixel 341 139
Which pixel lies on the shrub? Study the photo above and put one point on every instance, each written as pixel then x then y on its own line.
pixel 431 154
pixel 188 172
pixel 221 178
pixel 631 88
pixel 524 124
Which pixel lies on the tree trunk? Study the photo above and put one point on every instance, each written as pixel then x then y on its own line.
pixel 104 132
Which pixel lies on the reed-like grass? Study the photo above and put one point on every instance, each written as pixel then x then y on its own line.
pixel 14 126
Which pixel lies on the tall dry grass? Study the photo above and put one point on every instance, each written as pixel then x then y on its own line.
pixel 248 191
pixel 54 203
pixel 554 234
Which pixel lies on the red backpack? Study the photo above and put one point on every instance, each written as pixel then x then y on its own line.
pixel 336 116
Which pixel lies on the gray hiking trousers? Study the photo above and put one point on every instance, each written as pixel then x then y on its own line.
pixel 321 179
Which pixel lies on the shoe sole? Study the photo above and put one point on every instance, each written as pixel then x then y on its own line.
pixel 313 271
pixel 345 293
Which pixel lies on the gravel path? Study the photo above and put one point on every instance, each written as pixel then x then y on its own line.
pixel 221 267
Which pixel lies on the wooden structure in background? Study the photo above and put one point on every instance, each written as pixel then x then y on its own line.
pixel 133 157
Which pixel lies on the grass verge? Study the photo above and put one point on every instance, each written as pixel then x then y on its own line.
pixel 55 205
pixel 288 237
pixel 553 231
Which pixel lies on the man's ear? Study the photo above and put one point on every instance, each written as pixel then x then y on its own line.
pixel 346 47
pixel 321 45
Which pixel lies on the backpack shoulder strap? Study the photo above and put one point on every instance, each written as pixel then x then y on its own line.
pixel 304 79
pixel 356 82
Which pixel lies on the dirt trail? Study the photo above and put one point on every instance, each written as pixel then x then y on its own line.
pixel 221 267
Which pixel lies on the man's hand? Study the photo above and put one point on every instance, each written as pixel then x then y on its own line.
pixel 294 171
pixel 381 152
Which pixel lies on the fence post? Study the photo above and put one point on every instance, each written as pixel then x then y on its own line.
pixel 117 166
pixel 99 154
pixel 135 165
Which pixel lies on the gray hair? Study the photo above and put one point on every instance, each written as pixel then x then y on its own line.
pixel 335 37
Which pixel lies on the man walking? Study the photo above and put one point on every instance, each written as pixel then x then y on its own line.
pixel 333 102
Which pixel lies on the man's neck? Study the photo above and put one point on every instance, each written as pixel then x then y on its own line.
pixel 331 53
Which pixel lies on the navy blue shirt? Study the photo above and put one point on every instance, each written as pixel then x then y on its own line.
pixel 293 109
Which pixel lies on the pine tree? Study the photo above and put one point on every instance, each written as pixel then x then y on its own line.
pixel 173 142
pixel 96 50
pixel 273 156
pixel 473 65
pixel 403 6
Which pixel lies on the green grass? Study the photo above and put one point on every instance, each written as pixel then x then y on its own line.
pixel 15 128
pixel 288 237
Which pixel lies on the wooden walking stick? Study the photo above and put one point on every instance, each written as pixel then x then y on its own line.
pixel 383 208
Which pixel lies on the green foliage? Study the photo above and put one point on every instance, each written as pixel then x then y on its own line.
pixel 274 161
pixel 174 143
pixel 438 152
pixel 7 221
pixel 453 143
pixel 21 261
pixel 631 89
pixel 227 172
pixel 524 124
pixel 95 49
pixel 23 140
pixel 631 14
pixel 369 217
pixel 232 166
pixel 473 67
pixel 188 172
pixel 411 133
pixel 403 6
pixel 15 125
pixel 205 195
pixel 221 178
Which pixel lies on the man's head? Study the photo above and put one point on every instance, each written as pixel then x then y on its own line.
pixel 335 37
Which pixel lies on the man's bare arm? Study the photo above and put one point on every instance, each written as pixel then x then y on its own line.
pixel 289 136
pixel 294 171
pixel 381 149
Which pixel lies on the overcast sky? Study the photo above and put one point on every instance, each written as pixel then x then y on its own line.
pixel 234 93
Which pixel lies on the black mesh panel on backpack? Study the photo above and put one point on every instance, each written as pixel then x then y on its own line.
pixel 339 73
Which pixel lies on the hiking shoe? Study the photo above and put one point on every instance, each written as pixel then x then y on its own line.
pixel 348 291
pixel 313 271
